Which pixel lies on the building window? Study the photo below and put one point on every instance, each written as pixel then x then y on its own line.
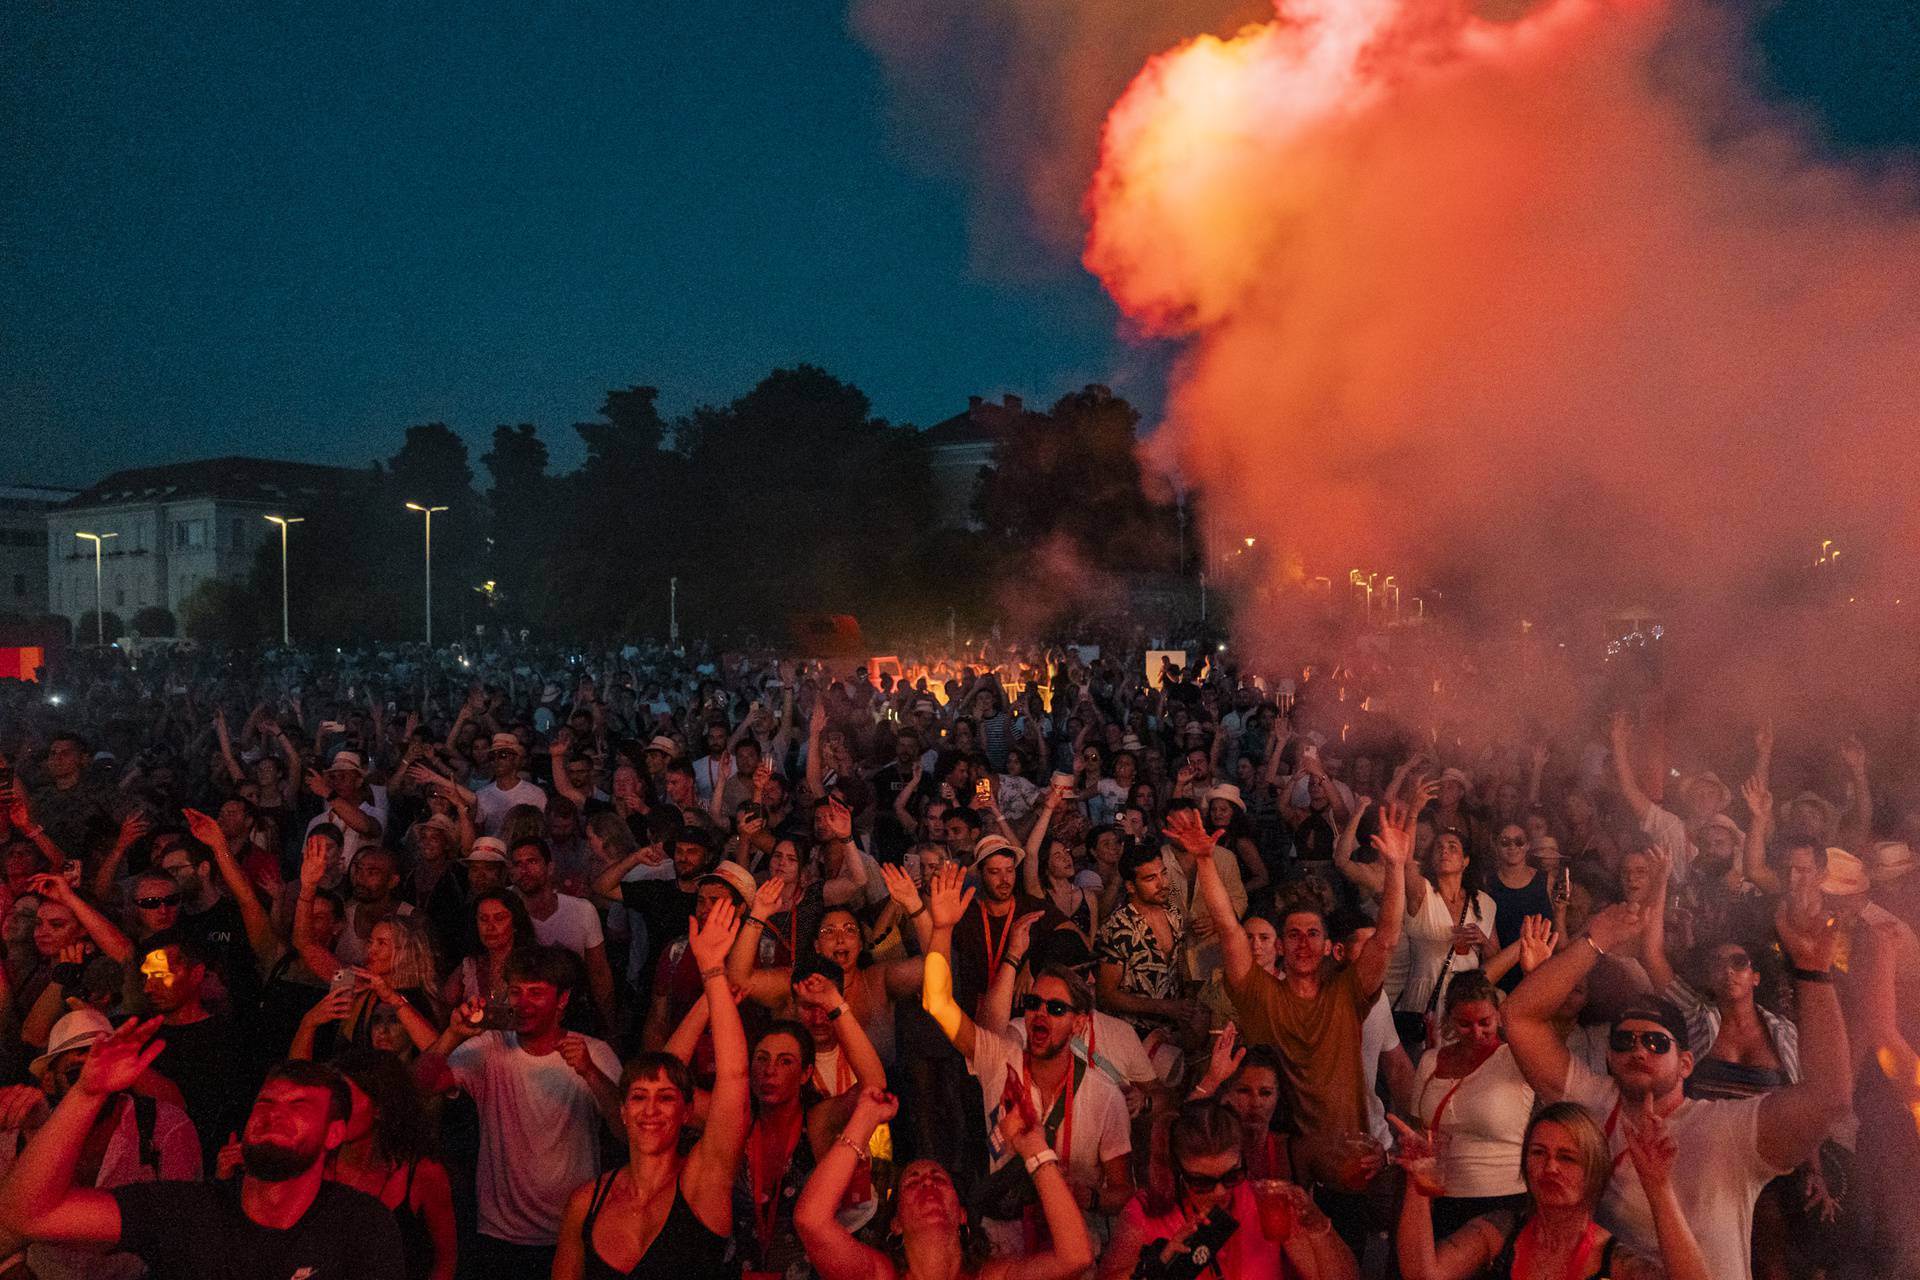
pixel 189 535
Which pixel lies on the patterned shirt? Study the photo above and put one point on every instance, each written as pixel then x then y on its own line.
pixel 1126 939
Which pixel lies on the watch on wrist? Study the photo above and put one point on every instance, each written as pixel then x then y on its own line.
pixel 1041 1158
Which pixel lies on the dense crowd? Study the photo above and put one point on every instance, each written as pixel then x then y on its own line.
pixel 1031 963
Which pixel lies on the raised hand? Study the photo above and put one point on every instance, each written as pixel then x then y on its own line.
pixel 1615 925
pixel 948 896
pixel 1652 1148
pixel 817 991
pixel 1186 828
pixel 1807 933
pixel 1854 755
pixel 133 828
pixel 227 1161
pixel 901 888
pixel 1536 942
pixel 839 824
pixel 1759 799
pixel 331 1007
pixel 1019 935
pixel 711 941
pixel 872 1109
pixel 118 1059
pixel 1019 1123
pixel 315 858
pixel 1226 1057
pixel 769 898
pixel 1394 841
pixel 1661 859
pixel 318 784
pixel 205 828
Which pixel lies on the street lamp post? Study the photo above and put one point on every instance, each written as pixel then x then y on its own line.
pixel 99 540
pixel 428 513
pixel 286 640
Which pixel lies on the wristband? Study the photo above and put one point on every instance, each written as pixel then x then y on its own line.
pixel 834 1013
pixel 860 1153
pixel 711 972
pixel 919 910
pixel 754 920
pixel 1041 1158
pixel 1812 975
pixel 1588 939
pixel 1017 961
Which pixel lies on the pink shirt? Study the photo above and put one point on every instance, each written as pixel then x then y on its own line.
pixel 1246 1253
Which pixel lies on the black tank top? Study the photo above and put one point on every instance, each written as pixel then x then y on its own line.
pixel 416 1242
pixel 684 1249
pixel 1502 1268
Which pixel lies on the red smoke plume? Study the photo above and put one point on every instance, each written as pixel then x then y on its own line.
pixel 1547 305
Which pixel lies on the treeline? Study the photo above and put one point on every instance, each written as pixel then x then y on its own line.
pixel 791 500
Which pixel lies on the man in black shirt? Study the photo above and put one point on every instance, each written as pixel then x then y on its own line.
pixel 281 1219
pixel 203 1055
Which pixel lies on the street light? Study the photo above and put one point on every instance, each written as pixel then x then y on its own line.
pixel 428 513
pixel 98 540
pixel 286 640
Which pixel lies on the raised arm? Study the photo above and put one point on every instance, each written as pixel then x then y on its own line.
pixel 1072 1248
pixel 1369 876
pixel 266 944
pixel 133 828
pixel 1759 828
pixel 906 895
pixel 313 869
pixel 714 1162
pixel 1653 951
pixel 1462 1255
pixel 768 986
pixel 557 750
pixel 1537 1047
pixel 1856 824
pixel 1186 828
pixel 102 930
pixel 832 1250
pixel 1621 732
pixel 1793 1120
pixel 1394 843
pixel 1654 1151
pixel 997 1010
pixel 947 900
pixel 38 1199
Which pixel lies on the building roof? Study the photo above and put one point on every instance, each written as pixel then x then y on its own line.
pixel 261 480
pixel 984 422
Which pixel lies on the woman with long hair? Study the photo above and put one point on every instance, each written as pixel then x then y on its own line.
pixel 1449 930
pixel 398 976
pixel 1049 873
pixel 928 1235
pixel 500 925
pixel 1566 1168
pixel 388 1155
pixel 1473 1103
pixel 1248 1081
pixel 1203 1189
pixel 669 1213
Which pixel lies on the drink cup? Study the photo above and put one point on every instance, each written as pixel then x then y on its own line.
pixel 1278 1216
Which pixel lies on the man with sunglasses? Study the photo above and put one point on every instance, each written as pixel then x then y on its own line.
pixel 1081 1110
pixel 137 1137
pixel 1729 1149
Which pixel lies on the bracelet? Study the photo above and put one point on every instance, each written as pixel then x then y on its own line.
pixel 1040 1159
pixel 1588 939
pixel 1812 975
pixel 860 1153
pixel 1017 961
pixel 920 910
pixel 834 1013
pixel 713 971
pixel 754 920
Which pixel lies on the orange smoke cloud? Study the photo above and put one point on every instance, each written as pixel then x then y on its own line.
pixel 1547 305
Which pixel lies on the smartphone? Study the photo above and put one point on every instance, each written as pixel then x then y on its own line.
pixel 343 980
pixel 982 790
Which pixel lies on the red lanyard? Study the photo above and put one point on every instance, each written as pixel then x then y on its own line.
pixel 1576 1265
pixel 766 1179
pixel 842 1076
pixel 995 952
pixel 1061 1138
pixel 1433 1125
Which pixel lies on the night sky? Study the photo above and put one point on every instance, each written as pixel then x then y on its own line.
pixel 291 230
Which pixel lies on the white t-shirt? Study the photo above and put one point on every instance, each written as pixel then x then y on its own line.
pixel 574 925
pixel 1100 1128
pixel 352 842
pixel 1377 1036
pixel 1666 829
pixel 1485 1118
pixel 1717 1178
pixel 539 1132
pixel 1117 1049
pixel 490 803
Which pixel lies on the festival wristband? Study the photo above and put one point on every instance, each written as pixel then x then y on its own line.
pixel 1040 1159
pixel 711 972
pixel 1812 975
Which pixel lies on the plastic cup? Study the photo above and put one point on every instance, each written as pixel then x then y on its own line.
pixel 1274 1201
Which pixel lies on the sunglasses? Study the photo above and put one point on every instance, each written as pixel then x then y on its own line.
pixel 154 904
pixel 1654 1042
pixel 1032 1003
pixel 1510 842
pixel 1201 1183
pixel 1739 962
pixel 838 930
